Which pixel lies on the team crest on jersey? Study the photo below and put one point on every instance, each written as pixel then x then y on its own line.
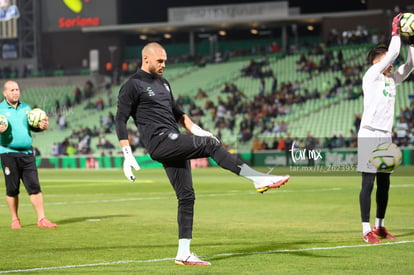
pixel 173 136
pixel 150 91
pixel 6 171
pixel 387 92
pixel 167 87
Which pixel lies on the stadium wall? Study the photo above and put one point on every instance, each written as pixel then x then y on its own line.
pixel 339 160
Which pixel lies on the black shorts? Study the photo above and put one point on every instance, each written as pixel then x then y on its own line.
pixel 18 167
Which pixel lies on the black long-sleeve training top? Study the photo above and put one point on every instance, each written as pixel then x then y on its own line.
pixel 148 99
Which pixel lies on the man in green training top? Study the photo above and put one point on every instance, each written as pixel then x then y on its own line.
pixel 17 159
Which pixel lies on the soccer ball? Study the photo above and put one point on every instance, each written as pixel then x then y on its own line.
pixel 386 157
pixel 4 122
pixel 407 24
pixel 35 116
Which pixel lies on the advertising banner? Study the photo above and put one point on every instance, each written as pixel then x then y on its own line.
pixel 72 15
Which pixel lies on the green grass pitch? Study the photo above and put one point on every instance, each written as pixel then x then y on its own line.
pixel 109 225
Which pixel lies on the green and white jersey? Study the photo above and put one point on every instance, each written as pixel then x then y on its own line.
pixel 380 90
pixel 17 138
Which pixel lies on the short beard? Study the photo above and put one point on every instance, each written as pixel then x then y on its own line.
pixel 153 72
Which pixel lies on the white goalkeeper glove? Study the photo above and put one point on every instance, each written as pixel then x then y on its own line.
pixel 197 131
pixel 129 163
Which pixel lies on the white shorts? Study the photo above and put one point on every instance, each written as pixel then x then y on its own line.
pixel 367 141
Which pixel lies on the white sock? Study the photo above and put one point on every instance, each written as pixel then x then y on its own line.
pixel 183 249
pixel 366 227
pixel 247 172
pixel 379 222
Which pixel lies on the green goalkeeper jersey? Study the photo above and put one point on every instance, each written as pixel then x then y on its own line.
pixel 17 138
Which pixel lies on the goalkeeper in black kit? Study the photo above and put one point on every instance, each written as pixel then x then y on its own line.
pixel 147 97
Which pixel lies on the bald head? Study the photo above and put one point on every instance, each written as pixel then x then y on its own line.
pixel 154 57
pixel 151 48
pixel 11 92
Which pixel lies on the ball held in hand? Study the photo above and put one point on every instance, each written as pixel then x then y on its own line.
pixel 407 24
pixel 35 116
pixel 4 122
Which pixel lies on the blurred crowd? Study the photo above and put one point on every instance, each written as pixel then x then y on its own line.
pixel 256 125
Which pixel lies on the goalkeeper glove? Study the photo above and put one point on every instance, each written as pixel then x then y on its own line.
pixel 396 24
pixel 129 163
pixel 197 131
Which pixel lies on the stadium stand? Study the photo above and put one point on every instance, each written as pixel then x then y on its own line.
pixel 326 114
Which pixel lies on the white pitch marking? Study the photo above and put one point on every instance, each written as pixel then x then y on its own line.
pixel 209 256
pixel 169 195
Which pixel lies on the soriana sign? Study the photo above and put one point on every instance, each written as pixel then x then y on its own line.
pixel 77 6
pixel 63 15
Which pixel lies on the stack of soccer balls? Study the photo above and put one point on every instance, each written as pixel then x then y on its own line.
pixel 407 24
pixel 386 157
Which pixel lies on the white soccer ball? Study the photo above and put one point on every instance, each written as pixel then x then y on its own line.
pixel 35 116
pixel 407 24
pixel 386 157
pixel 4 122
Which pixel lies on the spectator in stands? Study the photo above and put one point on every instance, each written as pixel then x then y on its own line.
pixel 401 130
pixel 70 149
pixel 201 94
pixel 68 102
pixel 282 127
pixel 89 105
pixel 357 122
pixel 61 122
pixel 134 139
pixel 17 157
pixel 288 142
pixel 340 142
pixel 258 145
pixel 104 143
pixel 275 144
pixel 340 56
pixel 55 149
pixel 352 140
pixel 262 86
pixel 88 89
pixel 110 96
pixel 274 83
pixel 84 145
pixel 77 94
pixel 315 94
pixel 100 106
pixel 108 122
pixel 57 107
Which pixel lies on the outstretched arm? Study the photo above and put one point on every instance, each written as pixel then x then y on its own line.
pixel 392 53
pixel 405 69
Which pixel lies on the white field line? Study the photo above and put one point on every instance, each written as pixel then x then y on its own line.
pixel 209 256
pixel 169 195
